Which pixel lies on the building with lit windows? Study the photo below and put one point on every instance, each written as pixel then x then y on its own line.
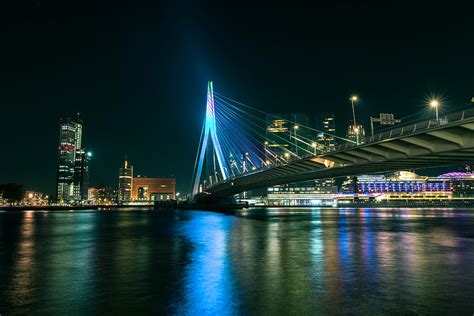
pixel 125 182
pixel 92 195
pixel 326 126
pixel 105 195
pixel 399 185
pixel 461 183
pixel 35 198
pixel 277 139
pixel 70 142
pixel 356 133
pixel 301 195
pixel 153 189
pixel 81 175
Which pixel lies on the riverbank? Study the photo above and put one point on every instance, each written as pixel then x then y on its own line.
pixel 68 207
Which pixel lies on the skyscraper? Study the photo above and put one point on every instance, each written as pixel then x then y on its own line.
pixel 70 141
pixel 277 138
pixel 125 182
pixel 326 125
pixel 289 132
pixel 81 175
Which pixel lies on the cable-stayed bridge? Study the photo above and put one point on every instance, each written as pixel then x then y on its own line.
pixel 240 151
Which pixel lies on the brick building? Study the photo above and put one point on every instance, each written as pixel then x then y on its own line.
pixel 153 189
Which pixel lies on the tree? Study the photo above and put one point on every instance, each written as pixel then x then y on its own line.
pixel 12 192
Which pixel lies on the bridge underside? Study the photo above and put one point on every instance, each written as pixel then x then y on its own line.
pixel 450 144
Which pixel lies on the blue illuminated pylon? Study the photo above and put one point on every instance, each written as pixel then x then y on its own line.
pixel 209 130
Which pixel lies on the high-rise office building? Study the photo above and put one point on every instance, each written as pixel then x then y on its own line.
pixel 70 141
pixel 125 182
pixel 81 175
pixel 277 138
pixel 326 126
pixel 289 132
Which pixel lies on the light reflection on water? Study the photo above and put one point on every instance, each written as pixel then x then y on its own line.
pixel 261 261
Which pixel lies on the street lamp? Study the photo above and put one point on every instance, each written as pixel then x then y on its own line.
pixel 435 104
pixel 296 140
pixel 353 99
pixel 313 144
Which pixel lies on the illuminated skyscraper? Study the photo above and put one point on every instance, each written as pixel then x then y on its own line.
pixel 125 182
pixel 326 125
pixel 81 175
pixel 277 138
pixel 70 141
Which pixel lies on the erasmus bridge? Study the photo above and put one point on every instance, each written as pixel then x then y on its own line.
pixel 235 155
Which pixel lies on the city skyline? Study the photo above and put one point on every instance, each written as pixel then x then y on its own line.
pixel 122 92
pixel 189 158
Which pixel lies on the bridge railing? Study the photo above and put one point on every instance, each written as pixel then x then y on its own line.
pixel 410 129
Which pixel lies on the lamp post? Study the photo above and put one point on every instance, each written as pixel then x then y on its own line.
pixel 296 140
pixel 313 144
pixel 435 104
pixel 354 99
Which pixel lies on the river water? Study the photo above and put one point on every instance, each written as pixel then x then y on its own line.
pixel 261 261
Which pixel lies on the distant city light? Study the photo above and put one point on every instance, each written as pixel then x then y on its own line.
pixel 89 154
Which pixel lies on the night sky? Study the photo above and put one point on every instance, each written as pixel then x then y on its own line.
pixel 137 73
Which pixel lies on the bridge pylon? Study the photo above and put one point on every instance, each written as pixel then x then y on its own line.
pixel 209 136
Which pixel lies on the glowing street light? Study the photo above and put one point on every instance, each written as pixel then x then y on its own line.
pixel 354 99
pixel 435 103
pixel 313 144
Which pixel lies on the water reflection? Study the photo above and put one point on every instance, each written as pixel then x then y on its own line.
pixel 209 282
pixel 21 280
pixel 262 261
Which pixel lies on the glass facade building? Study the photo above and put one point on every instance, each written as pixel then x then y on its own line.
pixel 69 150
pixel 81 175
pixel 326 125
pixel 125 182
